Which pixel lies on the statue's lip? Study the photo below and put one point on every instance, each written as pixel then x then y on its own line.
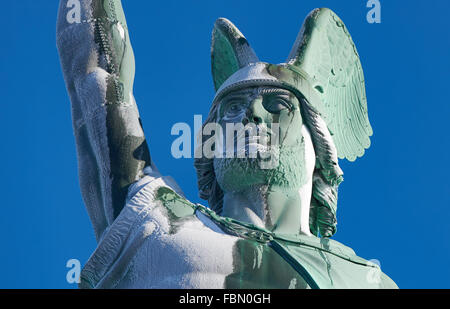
pixel 256 141
pixel 263 131
pixel 253 147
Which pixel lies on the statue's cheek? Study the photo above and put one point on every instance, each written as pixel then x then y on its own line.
pixel 290 125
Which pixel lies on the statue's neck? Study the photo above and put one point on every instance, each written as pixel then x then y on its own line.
pixel 275 208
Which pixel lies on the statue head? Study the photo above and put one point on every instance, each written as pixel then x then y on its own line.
pixel 261 141
pixel 320 86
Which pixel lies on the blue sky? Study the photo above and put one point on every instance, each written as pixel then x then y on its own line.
pixel 394 204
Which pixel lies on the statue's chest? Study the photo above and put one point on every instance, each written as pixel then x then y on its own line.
pixel 195 253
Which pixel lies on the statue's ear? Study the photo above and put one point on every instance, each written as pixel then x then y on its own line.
pixel 230 51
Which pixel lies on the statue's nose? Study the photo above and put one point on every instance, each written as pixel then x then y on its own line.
pixel 255 112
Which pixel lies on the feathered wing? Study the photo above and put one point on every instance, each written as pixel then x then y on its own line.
pixel 324 49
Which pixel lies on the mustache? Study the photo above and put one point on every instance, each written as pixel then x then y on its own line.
pixel 245 145
pixel 254 131
pixel 255 134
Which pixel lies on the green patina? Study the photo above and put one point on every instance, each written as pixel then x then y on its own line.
pixel 128 150
pixel 177 206
pixel 178 209
pixel 225 62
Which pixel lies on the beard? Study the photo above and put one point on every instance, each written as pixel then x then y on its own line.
pixel 274 165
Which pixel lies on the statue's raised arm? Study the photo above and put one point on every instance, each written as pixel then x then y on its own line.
pixel 98 65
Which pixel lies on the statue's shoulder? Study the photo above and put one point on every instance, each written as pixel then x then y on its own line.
pixel 156 189
pixel 331 264
pixel 178 207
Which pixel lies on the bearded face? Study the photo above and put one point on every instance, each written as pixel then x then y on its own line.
pixel 261 141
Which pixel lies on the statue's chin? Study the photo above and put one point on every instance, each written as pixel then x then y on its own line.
pixel 236 174
pixel 281 168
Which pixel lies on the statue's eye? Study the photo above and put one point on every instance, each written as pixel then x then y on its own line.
pixel 276 105
pixel 233 108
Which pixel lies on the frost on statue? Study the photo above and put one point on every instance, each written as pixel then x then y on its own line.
pixel 264 227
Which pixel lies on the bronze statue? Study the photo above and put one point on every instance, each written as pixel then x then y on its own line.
pixel 271 181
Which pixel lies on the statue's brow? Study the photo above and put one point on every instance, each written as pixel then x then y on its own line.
pixel 275 91
pixel 265 91
pixel 238 95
